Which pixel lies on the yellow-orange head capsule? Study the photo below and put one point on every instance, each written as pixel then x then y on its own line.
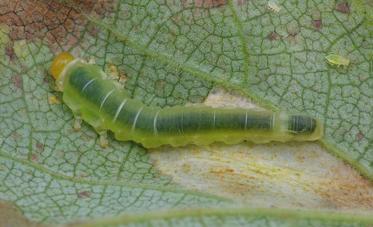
pixel 59 64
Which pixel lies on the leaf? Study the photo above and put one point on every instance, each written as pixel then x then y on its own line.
pixel 235 217
pixel 176 53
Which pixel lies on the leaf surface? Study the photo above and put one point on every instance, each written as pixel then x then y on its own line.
pixel 172 53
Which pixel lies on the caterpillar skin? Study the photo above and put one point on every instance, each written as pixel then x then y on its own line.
pixel 98 100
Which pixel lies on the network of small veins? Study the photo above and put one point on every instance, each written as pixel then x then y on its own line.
pixel 331 59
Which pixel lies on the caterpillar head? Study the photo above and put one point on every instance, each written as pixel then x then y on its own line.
pixel 58 65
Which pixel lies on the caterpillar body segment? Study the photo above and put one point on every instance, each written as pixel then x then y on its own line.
pixel 98 101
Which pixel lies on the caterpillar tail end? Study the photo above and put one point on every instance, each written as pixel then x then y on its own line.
pixel 59 64
pixel 319 130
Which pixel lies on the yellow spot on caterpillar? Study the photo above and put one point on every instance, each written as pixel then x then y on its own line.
pixel 338 60
pixel 272 5
pixel 52 100
pixel 59 64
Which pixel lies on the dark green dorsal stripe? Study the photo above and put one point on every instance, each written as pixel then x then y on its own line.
pixel 301 124
pixel 259 122
pixel 202 119
pixel 146 119
pixel 230 120
pixel 184 120
pixel 241 120
pixel 94 90
pixel 112 103
pixel 128 113
pixel 79 76
pixel 169 121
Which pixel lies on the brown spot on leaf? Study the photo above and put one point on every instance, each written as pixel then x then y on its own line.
pixel 34 157
pixel 241 2
pixel 122 77
pixel 47 78
pixel 39 146
pixel 348 192
pixel 176 18
pixel 17 81
pixel 317 24
pixel 113 70
pixel 16 136
pixel 58 22
pixel 273 36
pixel 221 170
pixel 293 29
pixel 84 194
pixel 343 7
pixel 359 136
pixel 204 3
pixel 9 51
pixel 92 30
pixel 292 38
pixel 292 33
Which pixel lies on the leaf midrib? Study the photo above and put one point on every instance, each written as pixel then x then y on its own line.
pixel 283 214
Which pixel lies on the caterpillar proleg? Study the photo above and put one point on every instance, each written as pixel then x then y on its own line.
pixel 97 100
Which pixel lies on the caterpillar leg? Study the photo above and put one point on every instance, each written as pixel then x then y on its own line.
pixel 117 76
pixel 122 80
pixel 104 143
pixel 77 123
pixel 117 83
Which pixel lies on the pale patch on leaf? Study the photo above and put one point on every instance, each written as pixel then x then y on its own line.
pixel 296 175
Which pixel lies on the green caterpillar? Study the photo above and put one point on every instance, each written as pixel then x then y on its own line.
pixel 97 100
